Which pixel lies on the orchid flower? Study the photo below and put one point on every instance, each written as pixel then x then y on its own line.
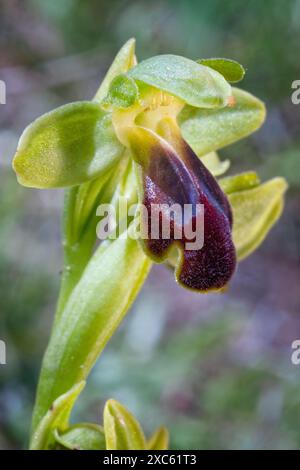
pixel 150 135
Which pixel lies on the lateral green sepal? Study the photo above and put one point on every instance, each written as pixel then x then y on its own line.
pixel 67 146
pixel 255 211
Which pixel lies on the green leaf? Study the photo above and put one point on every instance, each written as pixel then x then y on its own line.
pixel 95 308
pixel 84 436
pixel 193 83
pixel 255 211
pixel 66 147
pixel 124 60
pixel 214 164
pixel 123 92
pixel 207 130
pixel 122 430
pixel 231 70
pixel 232 184
pixel 159 440
pixel 57 417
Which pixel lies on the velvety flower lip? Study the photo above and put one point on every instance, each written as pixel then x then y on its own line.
pixel 172 174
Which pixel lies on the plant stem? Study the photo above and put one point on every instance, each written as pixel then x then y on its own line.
pixel 93 311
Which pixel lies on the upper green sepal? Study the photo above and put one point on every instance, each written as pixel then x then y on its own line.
pixel 195 84
pixel 207 130
pixel 231 70
pixel 67 146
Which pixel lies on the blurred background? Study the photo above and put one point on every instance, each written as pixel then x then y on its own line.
pixel 216 369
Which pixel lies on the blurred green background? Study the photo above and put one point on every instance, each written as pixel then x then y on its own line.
pixel 216 369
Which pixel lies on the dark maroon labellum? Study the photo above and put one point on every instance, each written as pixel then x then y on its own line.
pixel 169 179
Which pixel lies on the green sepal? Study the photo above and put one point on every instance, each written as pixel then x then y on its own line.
pixel 193 83
pixel 83 436
pixel 207 130
pixel 255 211
pixel 122 430
pixel 231 70
pixel 67 146
pixel 56 418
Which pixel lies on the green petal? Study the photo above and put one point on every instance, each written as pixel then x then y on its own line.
pixel 231 70
pixel 232 184
pixel 122 430
pixel 124 60
pixel 57 417
pixel 214 164
pixel 255 211
pixel 159 440
pixel 85 436
pixel 206 130
pixel 66 147
pixel 193 83
pixel 123 92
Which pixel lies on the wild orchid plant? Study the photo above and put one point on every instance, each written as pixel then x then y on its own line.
pixel 149 136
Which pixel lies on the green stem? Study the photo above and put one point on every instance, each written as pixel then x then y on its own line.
pixel 94 310
pixel 75 254
pixel 76 257
pixel 96 290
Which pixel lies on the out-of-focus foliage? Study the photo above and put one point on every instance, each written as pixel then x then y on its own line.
pixel 215 370
pixel 199 384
